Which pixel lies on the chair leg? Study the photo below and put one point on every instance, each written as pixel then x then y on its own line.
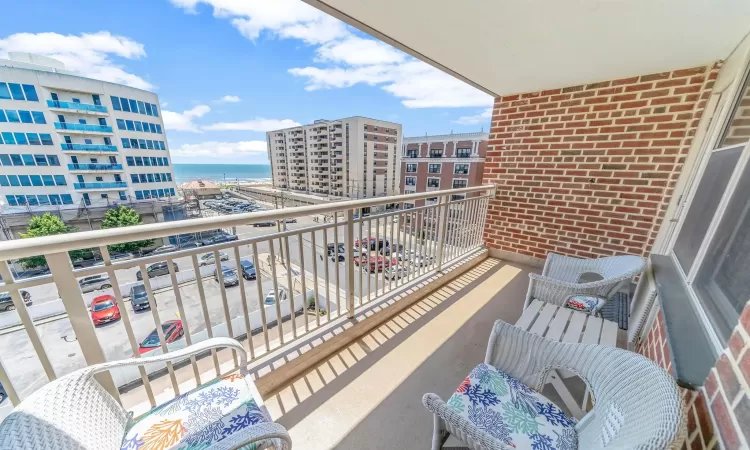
pixel 439 433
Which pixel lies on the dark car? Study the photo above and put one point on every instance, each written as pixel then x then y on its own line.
pixel 220 238
pixel 6 303
pixel 264 224
pixel 139 297
pixel 157 270
pixel 172 330
pixel 248 269
pixel 3 394
pixel 229 275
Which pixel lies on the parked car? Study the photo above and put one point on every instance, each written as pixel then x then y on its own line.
pixel 208 258
pixel 157 269
pixel 248 269
pixel 165 249
pixel 264 224
pixel 338 257
pixel 290 220
pixel 3 394
pixel 342 249
pixel 420 260
pixel 139 297
pixel 374 263
pixel 172 330
pixel 374 244
pixel 230 276
pixel 271 297
pixel 6 303
pixel 104 309
pixel 191 244
pixel 396 272
pixel 95 283
pixel 220 238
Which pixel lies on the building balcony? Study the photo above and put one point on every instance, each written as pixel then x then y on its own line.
pixel 78 107
pixel 82 128
pixel 88 148
pixel 100 185
pixel 95 167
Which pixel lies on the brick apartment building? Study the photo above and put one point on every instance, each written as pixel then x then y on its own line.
pixel 442 162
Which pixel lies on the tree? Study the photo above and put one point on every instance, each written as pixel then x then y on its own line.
pixel 123 216
pixel 48 225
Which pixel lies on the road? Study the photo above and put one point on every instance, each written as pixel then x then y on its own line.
pixel 19 357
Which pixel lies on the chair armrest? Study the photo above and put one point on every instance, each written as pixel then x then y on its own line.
pixel 554 291
pixel 200 347
pixel 459 425
pixel 260 432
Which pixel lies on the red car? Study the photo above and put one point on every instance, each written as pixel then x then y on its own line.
pixel 172 331
pixel 377 263
pixel 104 309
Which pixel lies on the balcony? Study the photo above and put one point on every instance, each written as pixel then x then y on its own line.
pixel 95 167
pixel 99 185
pixel 88 148
pixel 83 127
pixel 79 107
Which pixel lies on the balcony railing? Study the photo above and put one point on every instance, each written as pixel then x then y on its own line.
pixel 90 147
pixel 83 127
pixel 101 185
pixel 93 166
pixel 313 286
pixel 76 106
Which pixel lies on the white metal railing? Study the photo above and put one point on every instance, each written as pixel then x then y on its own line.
pixel 381 252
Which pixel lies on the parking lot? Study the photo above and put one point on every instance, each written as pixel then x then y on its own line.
pixel 57 336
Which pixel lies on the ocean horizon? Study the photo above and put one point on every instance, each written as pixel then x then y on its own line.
pixel 221 172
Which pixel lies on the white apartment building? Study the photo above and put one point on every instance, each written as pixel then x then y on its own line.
pixel 355 157
pixel 68 141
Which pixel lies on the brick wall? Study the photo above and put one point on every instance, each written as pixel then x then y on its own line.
pixel 719 413
pixel 589 170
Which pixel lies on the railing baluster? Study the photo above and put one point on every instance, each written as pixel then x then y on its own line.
pixel 369 259
pixel 393 246
pixel 10 390
pixel 442 228
pixel 359 255
pixel 315 278
pixel 292 309
pixel 125 317
pixel 243 300
pixel 157 320
pixel 336 261
pixel 327 278
pixel 259 286
pixel 219 269
pixel 349 262
pixel 377 254
pixel 409 256
pixel 303 276
pixel 204 309
pixel 277 297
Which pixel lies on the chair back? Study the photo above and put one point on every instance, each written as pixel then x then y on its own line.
pixel 72 412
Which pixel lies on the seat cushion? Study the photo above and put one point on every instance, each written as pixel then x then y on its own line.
pixel 512 413
pixel 202 418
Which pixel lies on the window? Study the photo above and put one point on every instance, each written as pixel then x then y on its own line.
pixel 36 180
pixel 134 143
pixel 38 117
pixel 13 179
pixel 411 168
pixel 20 139
pixel 142 143
pixel 433 182
pixel 150 144
pixel 129 160
pixel 120 124
pixel 48 180
pixel 25 180
pixel 115 103
pixel 138 161
pixel 54 199
pixel 11 200
pixel 138 126
pixel 4 181
pixel 33 139
pixel 17 161
pixel 460 183
pixel 95 98
pixel 141 107
pixel 60 180
pixel 150 177
pixel 41 160
pixel 461 169
pixel 8 138
pixel 5 160
pixel 434 168
pixel 66 199
pixel 123 195
pixel 25 116
pixel 134 177
pixel 125 105
pixel 30 92
pixel 139 195
pixel 154 111
pixel 16 91
pixel 133 105
pixel 4 92
pixel 12 116
pixel 463 152
pixel 28 160
pixel 152 128
pixel 99 179
pixel 142 177
pixel 46 138
pixel 43 199
pixel 410 181
pixel 436 153
pixel 125 143
pixel 148 109
pixel 103 121
pixel 53 160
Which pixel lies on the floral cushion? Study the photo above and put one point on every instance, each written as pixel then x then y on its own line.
pixel 512 413
pixel 585 303
pixel 201 418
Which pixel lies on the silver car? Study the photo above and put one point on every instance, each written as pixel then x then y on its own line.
pixel 229 275
pixel 208 258
pixel 94 283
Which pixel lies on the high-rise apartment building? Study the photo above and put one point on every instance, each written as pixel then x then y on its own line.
pixel 68 141
pixel 447 161
pixel 354 157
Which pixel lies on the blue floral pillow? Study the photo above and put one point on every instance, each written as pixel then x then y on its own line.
pixel 512 413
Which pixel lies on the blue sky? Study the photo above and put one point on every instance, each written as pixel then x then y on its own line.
pixel 226 71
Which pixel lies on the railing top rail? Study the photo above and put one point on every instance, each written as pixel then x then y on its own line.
pixel 22 248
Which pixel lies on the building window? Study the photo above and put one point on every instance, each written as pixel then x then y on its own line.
pixel 462 169
pixel 460 183
pixel 436 153
pixel 463 152
pixel 434 168
pixel 411 153
pixel 433 182
pixel 411 168
pixel 410 181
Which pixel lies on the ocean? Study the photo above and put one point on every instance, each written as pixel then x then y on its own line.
pixel 220 172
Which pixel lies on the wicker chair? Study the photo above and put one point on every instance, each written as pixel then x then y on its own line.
pixel 561 276
pixel 637 404
pixel 75 412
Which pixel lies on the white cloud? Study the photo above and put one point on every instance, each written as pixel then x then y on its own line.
pixel 229 99
pixel 483 117
pixel 215 149
pixel 88 54
pixel 258 124
pixel 174 121
pixel 345 58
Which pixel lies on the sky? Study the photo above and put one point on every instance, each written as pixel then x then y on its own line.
pixel 227 71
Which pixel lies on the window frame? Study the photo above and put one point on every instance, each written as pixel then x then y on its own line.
pixel 453 183
pixel 439 165
pixel 406 181
pixel 427 183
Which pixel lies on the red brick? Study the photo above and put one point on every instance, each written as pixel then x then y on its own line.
pixel 742 414
pixel 711 385
pixel 723 419
pixel 736 344
pixel 639 87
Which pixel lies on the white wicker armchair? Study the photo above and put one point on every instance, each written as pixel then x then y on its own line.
pixel 75 412
pixel 560 278
pixel 637 405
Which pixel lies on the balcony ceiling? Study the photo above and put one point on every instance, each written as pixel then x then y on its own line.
pixel 514 46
